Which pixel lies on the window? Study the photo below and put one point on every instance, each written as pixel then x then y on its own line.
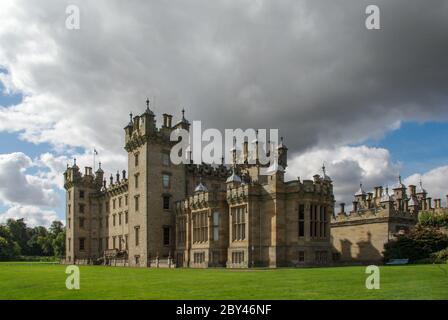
pixel 113 203
pixel 136 159
pixel 136 204
pixel 320 257
pixel 181 229
pixel 69 195
pixel 238 257
pixel 69 209
pixel 166 180
pixel 126 242
pixel 107 206
pixel 239 223
pixel 137 260
pixel 301 256
pixel 166 158
pixel 126 217
pixel 200 227
pixel 120 241
pixel 100 208
pixel 301 220
pixel 100 245
pixel 81 222
pixel 216 226
pixel 82 244
pixel 313 221
pixel 136 180
pixel 113 219
pixel 199 257
pixel 81 194
pixel 166 236
pixel 81 208
pixel 107 243
pixel 119 202
pixel 69 244
pixel 166 202
pixel 113 242
pixel 137 238
pixel 101 222
pixel 323 222
pixel 119 219
pixel 125 200
pixel 69 222
pixel 107 221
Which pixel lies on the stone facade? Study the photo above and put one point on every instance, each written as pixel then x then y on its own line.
pixel 376 218
pixel 187 215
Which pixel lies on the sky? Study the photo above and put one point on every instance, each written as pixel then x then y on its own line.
pixel 370 104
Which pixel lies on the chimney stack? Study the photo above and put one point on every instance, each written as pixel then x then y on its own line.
pixel 123 174
pixel 412 190
pixel 355 206
pixel 342 207
pixel 170 120
pixel 437 203
pixel 165 120
pixel 118 177
pixel 429 203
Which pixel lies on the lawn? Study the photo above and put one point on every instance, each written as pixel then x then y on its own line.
pixel 47 281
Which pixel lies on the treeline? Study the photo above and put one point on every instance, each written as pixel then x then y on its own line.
pixel 429 219
pixel 18 241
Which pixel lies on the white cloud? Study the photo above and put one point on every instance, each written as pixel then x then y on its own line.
pixel 347 166
pixel 307 68
pixel 434 182
pixel 33 216
pixel 18 187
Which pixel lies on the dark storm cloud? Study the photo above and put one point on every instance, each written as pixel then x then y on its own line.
pixel 309 68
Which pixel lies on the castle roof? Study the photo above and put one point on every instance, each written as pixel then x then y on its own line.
pixel 386 197
pixel 420 188
pixel 275 167
pixel 233 177
pixel 99 169
pixel 148 111
pixel 201 187
pixel 412 202
pixel 399 184
pixel 361 191
pixel 325 176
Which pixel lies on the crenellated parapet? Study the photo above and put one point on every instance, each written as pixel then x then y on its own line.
pixel 240 194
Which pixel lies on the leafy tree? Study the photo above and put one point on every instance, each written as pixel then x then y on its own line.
pixel 430 219
pixel 9 249
pixel 56 228
pixel 59 244
pixel 34 244
pixel 417 245
pixel 17 239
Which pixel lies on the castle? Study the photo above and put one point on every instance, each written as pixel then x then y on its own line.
pixel 157 214
pixel 377 217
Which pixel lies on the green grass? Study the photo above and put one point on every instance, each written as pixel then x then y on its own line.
pixel 47 281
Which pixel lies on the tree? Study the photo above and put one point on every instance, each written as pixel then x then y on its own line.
pixel 56 228
pixel 417 245
pixel 59 245
pixel 19 233
pixel 17 239
pixel 9 249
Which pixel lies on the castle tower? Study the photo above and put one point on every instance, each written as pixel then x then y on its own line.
pixel 79 244
pixel 154 185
